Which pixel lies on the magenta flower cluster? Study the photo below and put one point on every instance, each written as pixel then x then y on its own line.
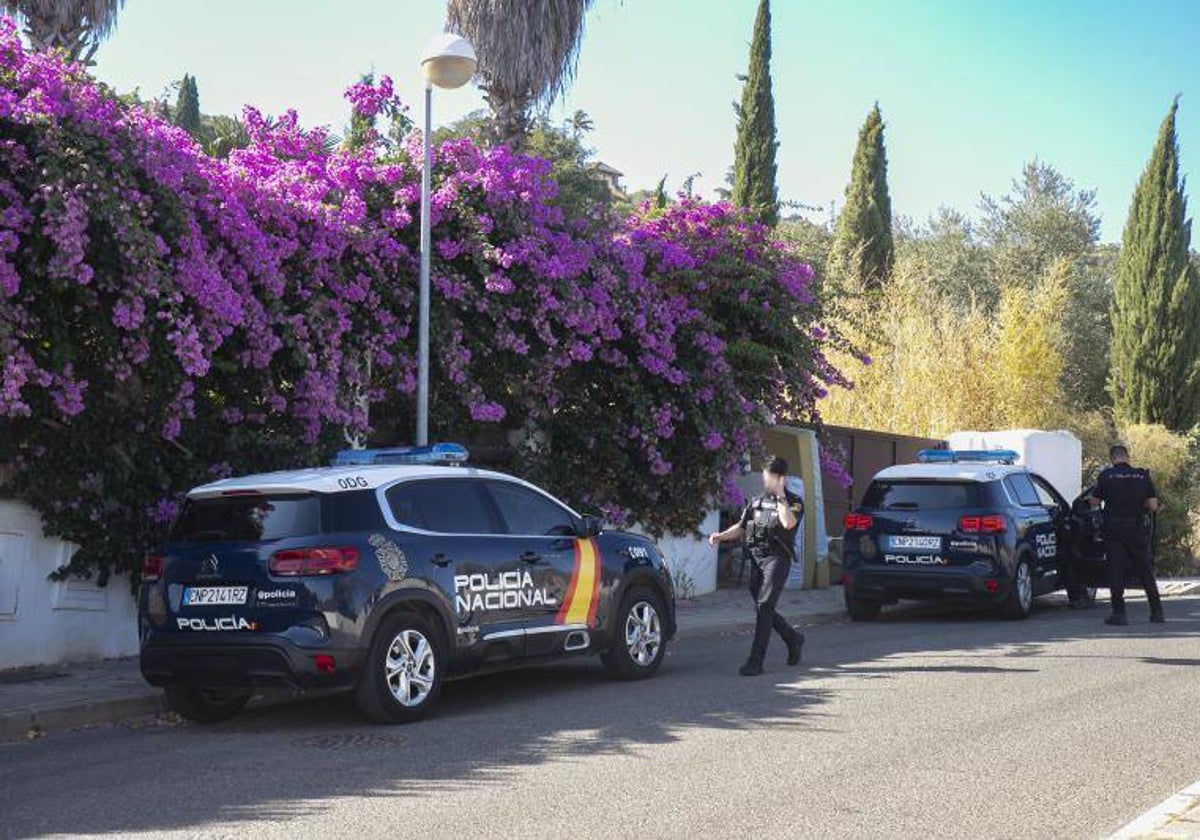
pixel 166 316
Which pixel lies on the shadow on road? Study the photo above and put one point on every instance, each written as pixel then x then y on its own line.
pixel 284 761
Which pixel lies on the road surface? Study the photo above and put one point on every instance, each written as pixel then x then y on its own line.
pixel 930 723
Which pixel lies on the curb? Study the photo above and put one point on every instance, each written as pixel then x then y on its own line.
pixel 740 625
pixel 18 725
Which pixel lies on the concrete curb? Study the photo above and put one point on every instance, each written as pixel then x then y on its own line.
pixel 20 724
pixel 744 625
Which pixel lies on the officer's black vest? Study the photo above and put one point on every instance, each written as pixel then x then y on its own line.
pixel 765 536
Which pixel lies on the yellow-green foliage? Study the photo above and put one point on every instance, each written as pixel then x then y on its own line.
pixel 937 369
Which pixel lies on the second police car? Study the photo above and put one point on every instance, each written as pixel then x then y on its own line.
pixel 384 575
pixel 959 525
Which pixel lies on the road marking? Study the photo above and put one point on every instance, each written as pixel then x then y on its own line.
pixel 1160 816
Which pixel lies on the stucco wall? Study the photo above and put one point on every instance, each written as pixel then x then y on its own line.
pixel 44 621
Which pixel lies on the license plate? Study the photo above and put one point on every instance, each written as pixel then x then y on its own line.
pixel 203 596
pixel 916 543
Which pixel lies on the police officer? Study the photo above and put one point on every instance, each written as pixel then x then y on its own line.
pixel 1128 495
pixel 769 524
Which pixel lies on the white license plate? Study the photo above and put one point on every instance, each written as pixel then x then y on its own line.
pixel 203 596
pixel 917 543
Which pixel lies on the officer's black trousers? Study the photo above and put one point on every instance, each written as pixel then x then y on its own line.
pixel 1127 548
pixel 767 578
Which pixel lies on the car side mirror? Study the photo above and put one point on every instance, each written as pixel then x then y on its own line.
pixel 591 526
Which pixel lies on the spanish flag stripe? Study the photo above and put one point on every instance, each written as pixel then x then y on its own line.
pixel 570 596
pixel 584 584
pixel 596 583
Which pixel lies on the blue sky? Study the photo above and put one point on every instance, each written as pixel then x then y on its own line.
pixel 969 90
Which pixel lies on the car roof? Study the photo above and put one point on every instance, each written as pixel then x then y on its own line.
pixel 949 472
pixel 334 479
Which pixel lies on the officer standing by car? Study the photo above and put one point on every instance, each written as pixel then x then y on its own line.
pixel 769 523
pixel 1129 496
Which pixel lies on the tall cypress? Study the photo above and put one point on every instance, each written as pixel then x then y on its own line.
pixel 1156 299
pixel 863 252
pixel 187 106
pixel 754 151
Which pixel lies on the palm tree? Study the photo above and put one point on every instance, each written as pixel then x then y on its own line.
pixel 74 26
pixel 580 124
pixel 527 49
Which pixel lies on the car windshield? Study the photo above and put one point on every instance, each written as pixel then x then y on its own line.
pixel 248 518
pixel 922 495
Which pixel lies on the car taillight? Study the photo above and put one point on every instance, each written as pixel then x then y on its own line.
pixel 313 561
pixel 982 525
pixel 857 521
pixel 152 568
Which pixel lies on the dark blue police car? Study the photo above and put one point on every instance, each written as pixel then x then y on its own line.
pixel 957 525
pixel 384 575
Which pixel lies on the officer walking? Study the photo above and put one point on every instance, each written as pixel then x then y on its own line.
pixel 769 523
pixel 1128 495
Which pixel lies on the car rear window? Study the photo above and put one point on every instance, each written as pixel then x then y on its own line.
pixel 248 518
pixel 922 495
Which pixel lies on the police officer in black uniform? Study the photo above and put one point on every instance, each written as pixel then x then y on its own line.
pixel 769 524
pixel 1129 497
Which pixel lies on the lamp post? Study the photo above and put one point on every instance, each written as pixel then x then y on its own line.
pixel 448 62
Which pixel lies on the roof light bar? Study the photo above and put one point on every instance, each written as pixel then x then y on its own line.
pixel 439 454
pixel 961 456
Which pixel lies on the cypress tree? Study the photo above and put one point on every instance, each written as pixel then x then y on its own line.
pixel 187 106
pixel 862 249
pixel 754 151
pixel 1156 299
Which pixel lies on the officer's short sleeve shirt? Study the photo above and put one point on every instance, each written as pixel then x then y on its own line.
pixel 1125 490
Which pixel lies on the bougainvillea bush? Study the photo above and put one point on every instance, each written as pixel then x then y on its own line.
pixel 166 317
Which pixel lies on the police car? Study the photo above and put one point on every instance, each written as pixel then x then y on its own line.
pixel 384 575
pixel 957 525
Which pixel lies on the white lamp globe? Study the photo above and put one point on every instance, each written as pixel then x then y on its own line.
pixel 448 61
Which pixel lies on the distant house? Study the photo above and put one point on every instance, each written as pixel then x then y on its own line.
pixel 610 176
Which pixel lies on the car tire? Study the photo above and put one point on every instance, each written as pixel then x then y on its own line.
pixel 1019 603
pixel 861 610
pixel 402 673
pixel 639 643
pixel 206 705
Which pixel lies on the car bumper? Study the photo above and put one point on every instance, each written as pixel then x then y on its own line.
pixel 263 661
pixel 888 584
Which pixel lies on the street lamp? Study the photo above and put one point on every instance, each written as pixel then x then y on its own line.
pixel 448 62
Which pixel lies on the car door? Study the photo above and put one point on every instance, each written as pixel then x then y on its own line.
pixel 560 571
pixel 457 534
pixel 1038 531
pixel 1057 548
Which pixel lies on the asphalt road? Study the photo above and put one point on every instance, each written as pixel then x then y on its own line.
pixel 929 723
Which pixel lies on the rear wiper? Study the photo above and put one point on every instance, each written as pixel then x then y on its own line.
pixel 903 506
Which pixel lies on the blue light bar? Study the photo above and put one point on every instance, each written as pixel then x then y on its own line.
pixel 961 456
pixel 439 454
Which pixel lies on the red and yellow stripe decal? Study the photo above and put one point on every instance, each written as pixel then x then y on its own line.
pixel 579 606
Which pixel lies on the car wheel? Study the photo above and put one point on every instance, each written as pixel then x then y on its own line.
pixel 639 645
pixel 206 705
pixel 1019 603
pixel 861 610
pixel 402 674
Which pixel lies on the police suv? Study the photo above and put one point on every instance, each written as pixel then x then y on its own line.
pixel 959 525
pixel 384 575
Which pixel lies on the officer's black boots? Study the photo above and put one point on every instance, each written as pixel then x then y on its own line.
pixel 1116 620
pixel 1157 617
pixel 795 647
pixel 751 668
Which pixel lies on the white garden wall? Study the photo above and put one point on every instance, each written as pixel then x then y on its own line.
pixel 46 622
pixel 693 562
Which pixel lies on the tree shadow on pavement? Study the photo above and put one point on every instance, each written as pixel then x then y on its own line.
pixel 281 762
